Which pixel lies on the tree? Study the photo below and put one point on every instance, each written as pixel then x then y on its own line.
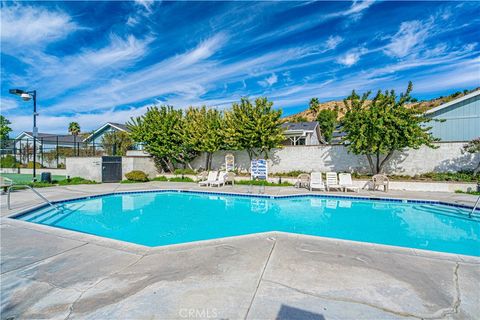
pixel 203 131
pixel 116 143
pixel 4 130
pixel 314 104
pixel 74 128
pixel 254 128
pixel 327 120
pixel 474 148
pixel 385 125
pixel 160 129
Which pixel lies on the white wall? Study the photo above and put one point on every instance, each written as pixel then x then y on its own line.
pixel 144 164
pixel 86 167
pixel 448 157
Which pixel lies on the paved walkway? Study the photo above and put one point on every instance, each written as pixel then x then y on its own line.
pixel 59 274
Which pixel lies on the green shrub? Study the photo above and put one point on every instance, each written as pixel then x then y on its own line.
pixel 75 180
pixel 30 165
pixel 137 175
pixel 8 161
pixel 184 171
pixel 161 178
pixel 475 193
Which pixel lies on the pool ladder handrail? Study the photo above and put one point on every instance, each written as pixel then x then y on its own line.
pixel 34 191
pixel 474 207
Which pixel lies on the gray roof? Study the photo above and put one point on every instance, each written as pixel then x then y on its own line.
pixel 297 126
pixel 119 125
pixel 453 102
pixel 52 138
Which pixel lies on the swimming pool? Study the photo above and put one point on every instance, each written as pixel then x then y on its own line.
pixel 172 217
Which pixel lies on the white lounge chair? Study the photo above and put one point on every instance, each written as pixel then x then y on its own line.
pixel 316 181
pixel 220 181
pixel 332 181
pixel 212 177
pixel 345 180
pixel 5 183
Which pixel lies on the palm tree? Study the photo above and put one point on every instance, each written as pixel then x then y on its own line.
pixel 314 102
pixel 74 128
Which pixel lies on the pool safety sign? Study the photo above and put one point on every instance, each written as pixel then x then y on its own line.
pixel 259 169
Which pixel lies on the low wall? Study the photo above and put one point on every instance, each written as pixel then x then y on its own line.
pixel 144 164
pixel 448 157
pixel 86 167
pixel 91 167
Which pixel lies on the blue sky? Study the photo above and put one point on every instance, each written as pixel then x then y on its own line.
pixel 94 62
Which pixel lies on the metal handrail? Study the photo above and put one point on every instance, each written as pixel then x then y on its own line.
pixel 34 191
pixel 474 207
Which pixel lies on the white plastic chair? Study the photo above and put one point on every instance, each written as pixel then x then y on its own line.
pixel 345 180
pixel 212 177
pixel 220 181
pixel 316 181
pixel 332 181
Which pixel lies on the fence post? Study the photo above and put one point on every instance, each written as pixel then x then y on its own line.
pixel 93 144
pixel 41 152
pixel 56 152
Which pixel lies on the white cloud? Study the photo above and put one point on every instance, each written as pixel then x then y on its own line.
pixel 269 81
pixel 26 26
pixel 7 104
pixel 351 57
pixel 332 42
pixel 145 4
pixel 410 37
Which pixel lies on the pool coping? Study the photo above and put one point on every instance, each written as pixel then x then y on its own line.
pixel 143 249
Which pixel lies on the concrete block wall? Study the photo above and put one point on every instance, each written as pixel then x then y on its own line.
pixel 144 164
pixel 86 167
pixel 448 157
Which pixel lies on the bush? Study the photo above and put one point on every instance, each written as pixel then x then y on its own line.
pixel 30 165
pixel 137 175
pixel 292 174
pixel 75 180
pixel 8 161
pixel 184 171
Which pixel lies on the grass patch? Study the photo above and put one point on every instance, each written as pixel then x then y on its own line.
pixel 263 183
pixel 131 181
pixel 290 174
pixel 23 178
pixel 161 178
pixel 475 193
pixel 74 181
pixel 180 179
pixel 184 171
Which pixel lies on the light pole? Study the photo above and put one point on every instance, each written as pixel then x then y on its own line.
pixel 26 96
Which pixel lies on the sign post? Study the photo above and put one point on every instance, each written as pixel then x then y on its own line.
pixel 259 169
pixel 229 162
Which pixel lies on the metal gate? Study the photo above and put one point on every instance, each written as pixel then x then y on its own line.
pixel 111 169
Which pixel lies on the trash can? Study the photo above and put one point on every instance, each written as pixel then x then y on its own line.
pixel 46 177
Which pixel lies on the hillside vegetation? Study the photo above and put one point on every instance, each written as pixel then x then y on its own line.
pixel 310 115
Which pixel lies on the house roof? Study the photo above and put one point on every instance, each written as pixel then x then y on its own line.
pixel 118 126
pixel 300 126
pixel 51 138
pixel 451 103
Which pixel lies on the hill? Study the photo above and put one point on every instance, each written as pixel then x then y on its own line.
pixel 309 115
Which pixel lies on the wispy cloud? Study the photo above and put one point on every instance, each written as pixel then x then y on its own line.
pixel 332 42
pixel 269 81
pixel 28 26
pixel 410 36
pixel 352 57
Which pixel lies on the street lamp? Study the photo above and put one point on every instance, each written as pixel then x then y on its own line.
pixel 26 96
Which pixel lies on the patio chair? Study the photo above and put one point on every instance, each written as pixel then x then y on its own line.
pixel 380 180
pixel 316 181
pixel 303 181
pixel 230 178
pixel 5 183
pixel 220 181
pixel 345 180
pixel 331 181
pixel 202 176
pixel 212 177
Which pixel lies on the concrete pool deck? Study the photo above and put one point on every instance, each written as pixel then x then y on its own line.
pixel 55 273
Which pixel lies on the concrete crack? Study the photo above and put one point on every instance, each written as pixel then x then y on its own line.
pixel 260 279
pixel 72 306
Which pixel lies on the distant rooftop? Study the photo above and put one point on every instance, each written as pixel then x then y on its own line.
pixel 298 126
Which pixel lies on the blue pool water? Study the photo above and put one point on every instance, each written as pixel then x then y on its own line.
pixel 162 218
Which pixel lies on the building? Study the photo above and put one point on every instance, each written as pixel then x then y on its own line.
pixel 302 134
pixel 97 135
pixel 461 119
